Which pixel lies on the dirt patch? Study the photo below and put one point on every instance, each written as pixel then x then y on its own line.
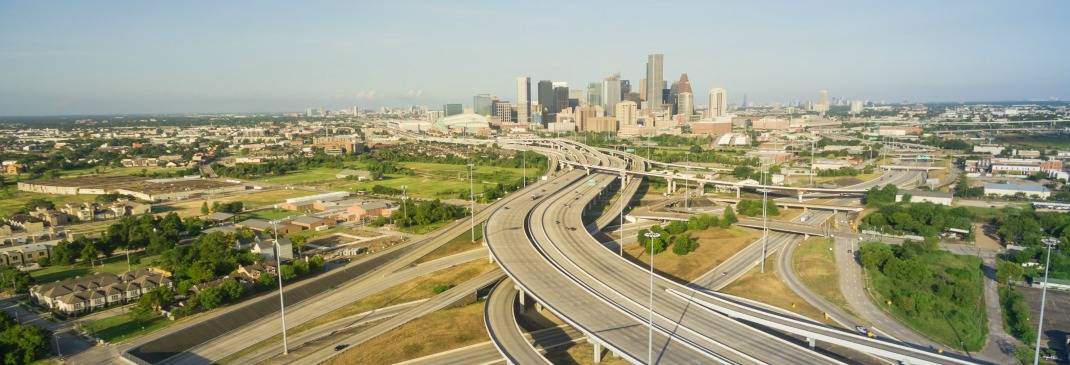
pixel 715 246
pixel 769 289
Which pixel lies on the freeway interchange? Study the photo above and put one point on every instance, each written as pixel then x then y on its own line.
pixel 543 246
pixel 543 239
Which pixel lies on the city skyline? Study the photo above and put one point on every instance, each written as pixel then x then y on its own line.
pixel 83 59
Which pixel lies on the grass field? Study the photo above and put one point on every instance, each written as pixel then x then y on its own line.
pixel 1045 141
pixel 311 176
pixel 12 200
pixel 254 199
pixel 433 180
pixel 420 288
pixel 114 265
pixel 458 244
pixel 436 332
pixel 580 354
pixel 769 289
pixel 121 327
pixel 715 246
pixel 273 213
pixel 815 264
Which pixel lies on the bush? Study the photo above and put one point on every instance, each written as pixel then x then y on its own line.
pixel 441 288
pixel 683 244
pixel 753 207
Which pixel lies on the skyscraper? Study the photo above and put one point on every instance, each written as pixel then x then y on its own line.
pixel 611 93
pixel 823 103
pixel 523 99
pixel 560 99
pixel 594 94
pixel 546 100
pixel 655 65
pixel 481 104
pixel 452 109
pixel 625 87
pixel 626 112
pixel 575 97
pixel 685 103
pixel 718 102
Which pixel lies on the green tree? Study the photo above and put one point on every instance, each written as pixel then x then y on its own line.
pixel 12 278
pixel 210 298
pixel 204 208
pixel 729 217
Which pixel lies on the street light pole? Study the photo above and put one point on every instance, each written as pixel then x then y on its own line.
pixel 278 269
pixel 1049 241
pixel 650 331
pixel 472 197
pixel 620 228
pixel 765 221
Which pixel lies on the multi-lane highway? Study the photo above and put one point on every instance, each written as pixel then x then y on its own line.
pixel 697 320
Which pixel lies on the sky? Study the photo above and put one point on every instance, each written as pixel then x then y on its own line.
pixel 131 57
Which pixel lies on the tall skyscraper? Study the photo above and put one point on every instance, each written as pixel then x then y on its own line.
pixel 481 104
pixel 594 94
pixel 823 103
pixel 685 103
pixel 611 93
pixel 546 101
pixel 625 87
pixel 575 97
pixel 452 109
pixel 627 112
pixel 655 67
pixel 718 102
pixel 523 99
pixel 560 98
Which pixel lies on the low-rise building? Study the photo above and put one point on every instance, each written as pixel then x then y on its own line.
pixel 23 255
pixel 1033 191
pixel 359 175
pixel 920 196
pixel 83 294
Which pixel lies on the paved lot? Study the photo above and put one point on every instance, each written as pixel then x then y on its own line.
pixel 1056 316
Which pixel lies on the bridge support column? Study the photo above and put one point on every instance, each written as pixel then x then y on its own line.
pixel 597 356
pixel 812 342
pixel 800 196
pixel 737 192
pixel 538 307
pixel 520 293
pixel 806 236
pixel 490 256
pixel 587 169
pixel 672 186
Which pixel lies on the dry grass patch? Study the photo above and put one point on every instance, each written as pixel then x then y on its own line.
pixel 769 289
pixel 715 245
pixel 580 354
pixel 815 264
pixel 461 243
pixel 436 332
pixel 419 288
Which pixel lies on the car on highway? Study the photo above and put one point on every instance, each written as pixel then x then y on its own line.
pixel 341 347
pixel 861 329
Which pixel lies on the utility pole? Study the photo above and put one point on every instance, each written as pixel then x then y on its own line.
pixel 765 220
pixel 651 235
pixel 282 302
pixel 620 228
pixel 472 197
pixel 1049 241
pixel 811 162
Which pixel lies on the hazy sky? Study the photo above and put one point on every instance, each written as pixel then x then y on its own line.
pixel 60 57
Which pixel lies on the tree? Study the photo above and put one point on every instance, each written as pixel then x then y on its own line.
pixel 35 203
pixel 267 280
pixel 10 276
pixel 22 344
pixel 89 252
pixel 315 263
pixel 683 244
pixel 288 272
pixel 204 208
pixel 232 290
pixel 729 217
pixel 210 298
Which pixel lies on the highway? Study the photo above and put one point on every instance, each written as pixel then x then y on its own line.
pixel 441 301
pixel 614 280
pixel 268 327
pixel 582 259
pixel 499 316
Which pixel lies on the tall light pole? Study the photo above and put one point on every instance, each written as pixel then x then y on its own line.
pixel 650 319
pixel 687 186
pixel 620 228
pixel 765 220
pixel 811 162
pixel 472 198
pixel 524 165
pixel 1049 241
pixel 282 302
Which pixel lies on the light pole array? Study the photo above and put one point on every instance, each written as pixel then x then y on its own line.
pixel 472 198
pixel 1049 241
pixel 650 331
pixel 765 220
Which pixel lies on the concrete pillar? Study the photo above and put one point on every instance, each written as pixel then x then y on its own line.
pixel 490 256
pixel 737 192
pixel 520 293
pixel 597 356
pixel 538 307
pixel 800 196
pixel 812 342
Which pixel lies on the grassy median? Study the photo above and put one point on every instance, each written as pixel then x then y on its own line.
pixel 436 332
pixel 815 264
